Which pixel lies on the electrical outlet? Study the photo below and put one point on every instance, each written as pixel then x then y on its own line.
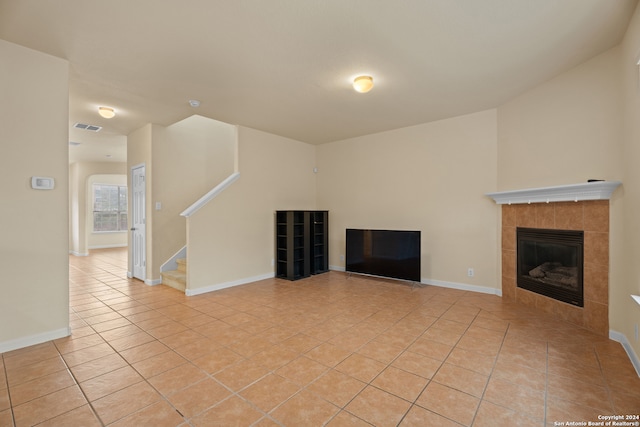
pixel 470 272
pixel 272 262
pixel 636 331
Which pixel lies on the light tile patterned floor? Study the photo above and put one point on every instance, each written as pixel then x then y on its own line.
pixel 329 350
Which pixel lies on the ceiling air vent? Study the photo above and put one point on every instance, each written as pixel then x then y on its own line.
pixel 91 128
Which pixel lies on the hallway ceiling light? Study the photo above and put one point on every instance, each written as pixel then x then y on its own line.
pixel 106 112
pixel 363 84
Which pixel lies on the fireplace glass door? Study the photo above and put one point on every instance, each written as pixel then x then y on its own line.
pixel 550 263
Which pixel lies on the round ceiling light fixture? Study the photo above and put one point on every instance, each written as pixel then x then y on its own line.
pixel 107 112
pixel 363 84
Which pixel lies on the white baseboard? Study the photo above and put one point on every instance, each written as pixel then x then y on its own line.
pixel 443 284
pixel 74 253
pixel 118 245
pixel 211 288
pixel 463 287
pixel 34 339
pixel 622 339
pixel 153 282
pixel 129 275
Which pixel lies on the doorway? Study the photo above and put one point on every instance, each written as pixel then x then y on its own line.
pixel 138 222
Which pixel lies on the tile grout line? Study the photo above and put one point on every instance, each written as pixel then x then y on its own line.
pixel 439 367
pixel 606 383
pixel 371 381
pixel 118 353
pixel 144 379
pixel 307 385
pixel 546 385
pixel 493 367
pixel 75 380
pixel 443 362
pixel 430 380
pixel 212 377
pixel 330 368
pixel 6 380
pixel 90 403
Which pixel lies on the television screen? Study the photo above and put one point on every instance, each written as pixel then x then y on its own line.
pixel 385 253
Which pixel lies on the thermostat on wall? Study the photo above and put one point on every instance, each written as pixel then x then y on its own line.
pixel 42 183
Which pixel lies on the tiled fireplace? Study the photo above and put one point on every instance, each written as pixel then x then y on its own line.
pixel 589 216
pixel 592 217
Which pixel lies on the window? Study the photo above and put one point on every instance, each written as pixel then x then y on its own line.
pixel 109 208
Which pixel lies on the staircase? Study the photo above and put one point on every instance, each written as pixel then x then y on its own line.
pixel 176 278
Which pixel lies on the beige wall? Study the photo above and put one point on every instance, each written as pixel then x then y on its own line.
pixel 627 315
pixel 80 233
pixel 193 156
pixel 34 246
pixel 74 209
pixel 231 238
pixel 564 131
pixel 431 178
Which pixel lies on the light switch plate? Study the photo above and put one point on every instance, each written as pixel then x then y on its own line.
pixel 42 183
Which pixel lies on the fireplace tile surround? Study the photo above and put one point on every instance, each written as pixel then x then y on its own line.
pixel 592 217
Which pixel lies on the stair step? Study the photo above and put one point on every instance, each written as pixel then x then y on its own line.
pixel 182 265
pixel 174 278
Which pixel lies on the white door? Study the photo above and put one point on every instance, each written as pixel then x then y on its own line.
pixel 138 221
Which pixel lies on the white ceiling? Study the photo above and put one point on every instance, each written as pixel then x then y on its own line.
pixel 285 66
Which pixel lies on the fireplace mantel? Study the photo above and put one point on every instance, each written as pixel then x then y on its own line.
pixel 597 190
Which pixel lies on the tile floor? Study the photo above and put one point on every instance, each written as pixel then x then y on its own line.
pixel 329 350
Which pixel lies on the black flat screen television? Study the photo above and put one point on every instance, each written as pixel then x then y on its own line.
pixel 385 253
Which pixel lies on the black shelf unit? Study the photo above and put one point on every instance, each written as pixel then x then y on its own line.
pixel 319 242
pixel 301 243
